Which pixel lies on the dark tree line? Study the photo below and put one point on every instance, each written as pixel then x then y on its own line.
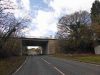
pixel 77 31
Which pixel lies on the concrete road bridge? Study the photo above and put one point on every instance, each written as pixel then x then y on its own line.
pixel 48 45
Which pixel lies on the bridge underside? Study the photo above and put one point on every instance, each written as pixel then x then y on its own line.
pixel 41 43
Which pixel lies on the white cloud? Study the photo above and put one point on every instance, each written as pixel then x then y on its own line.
pixel 70 5
pixel 46 21
pixel 26 4
pixel 23 8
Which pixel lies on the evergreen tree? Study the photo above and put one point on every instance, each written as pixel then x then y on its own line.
pixel 95 12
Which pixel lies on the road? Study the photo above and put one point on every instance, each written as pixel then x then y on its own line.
pixel 47 65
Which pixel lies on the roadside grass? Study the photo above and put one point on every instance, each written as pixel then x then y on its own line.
pixel 88 58
pixel 9 65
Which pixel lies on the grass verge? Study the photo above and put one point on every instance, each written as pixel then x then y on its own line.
pixel 9 65
pixel 94 59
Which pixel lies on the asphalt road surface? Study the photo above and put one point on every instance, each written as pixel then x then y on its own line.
pixel 47 65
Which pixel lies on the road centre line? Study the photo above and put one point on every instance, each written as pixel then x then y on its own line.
pixel 59 71
pixel 45 61
pixel 53 67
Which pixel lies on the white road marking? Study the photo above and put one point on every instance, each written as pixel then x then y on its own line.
pixel 59 71
pixel 20 67
pixel 53 67
pixel 45 61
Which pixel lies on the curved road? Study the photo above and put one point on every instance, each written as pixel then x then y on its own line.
pixel 47 65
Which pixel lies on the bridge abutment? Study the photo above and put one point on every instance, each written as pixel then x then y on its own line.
pixel 51 46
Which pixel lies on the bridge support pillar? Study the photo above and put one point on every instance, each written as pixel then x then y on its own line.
pixel 21 49
pixel 51 47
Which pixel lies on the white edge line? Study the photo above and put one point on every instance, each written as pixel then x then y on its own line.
pixel 59 71
pixel 20 67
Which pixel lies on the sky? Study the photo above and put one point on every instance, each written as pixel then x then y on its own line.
pixel 30 47
pixel 46 13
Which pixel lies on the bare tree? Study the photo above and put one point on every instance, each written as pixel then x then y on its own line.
pixel 9 24
pixel 75 28
pixel 71 23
